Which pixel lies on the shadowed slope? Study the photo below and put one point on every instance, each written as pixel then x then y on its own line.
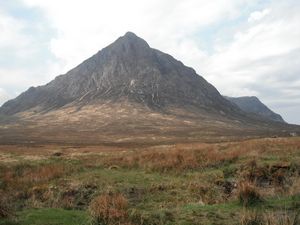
pixel 254 105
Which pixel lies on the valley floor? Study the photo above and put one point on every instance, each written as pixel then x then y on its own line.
pixel 247 182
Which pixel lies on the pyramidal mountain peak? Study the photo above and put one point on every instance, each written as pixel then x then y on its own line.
pixel 126 69
pixel 129 43
pixel 130 36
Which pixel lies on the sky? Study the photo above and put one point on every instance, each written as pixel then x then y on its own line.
pixel 242 47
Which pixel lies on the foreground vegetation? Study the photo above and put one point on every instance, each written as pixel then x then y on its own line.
pixel 249 182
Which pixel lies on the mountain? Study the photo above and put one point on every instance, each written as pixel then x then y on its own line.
pixel 127 69
pixel 128 93
pixel 252 104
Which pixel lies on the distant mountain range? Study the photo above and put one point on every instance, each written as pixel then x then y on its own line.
pixel 130 92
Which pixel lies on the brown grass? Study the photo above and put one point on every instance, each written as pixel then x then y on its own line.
pixel 25 174
pixel 31 183
pixel 248 194
pixel 282 218
pixel 175 159
pixel 269 218
pixel 251 218
pixel 109 209
pixel 44 173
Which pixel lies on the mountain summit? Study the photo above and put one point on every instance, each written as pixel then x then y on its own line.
pixel 127 91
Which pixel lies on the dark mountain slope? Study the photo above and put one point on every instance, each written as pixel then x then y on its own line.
pixel 254 105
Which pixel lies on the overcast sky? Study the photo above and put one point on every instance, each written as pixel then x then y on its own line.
pixel 243 47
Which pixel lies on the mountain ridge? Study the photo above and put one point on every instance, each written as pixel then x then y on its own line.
pixel 252 104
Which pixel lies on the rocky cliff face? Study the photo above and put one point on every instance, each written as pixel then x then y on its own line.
pixel 129 70
pixel 254 105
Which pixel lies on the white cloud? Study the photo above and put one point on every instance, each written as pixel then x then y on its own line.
pixel 258 15
pixel 3 96
pixel 10 31
pixel 17 79
pixel 85 27
pixel 24 60
pixel 262 59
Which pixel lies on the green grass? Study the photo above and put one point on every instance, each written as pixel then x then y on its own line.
pixel 8 222
pixel 124 178
pixel 187 214
pixel 53 217
pixel 287 203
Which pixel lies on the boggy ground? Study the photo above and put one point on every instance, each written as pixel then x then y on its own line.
pixel 248 182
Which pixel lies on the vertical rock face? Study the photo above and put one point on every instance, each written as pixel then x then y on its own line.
pixel 254 105
pixel 130 70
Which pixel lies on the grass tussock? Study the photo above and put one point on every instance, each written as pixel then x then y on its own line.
pixel 249 195
pixel 109 209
